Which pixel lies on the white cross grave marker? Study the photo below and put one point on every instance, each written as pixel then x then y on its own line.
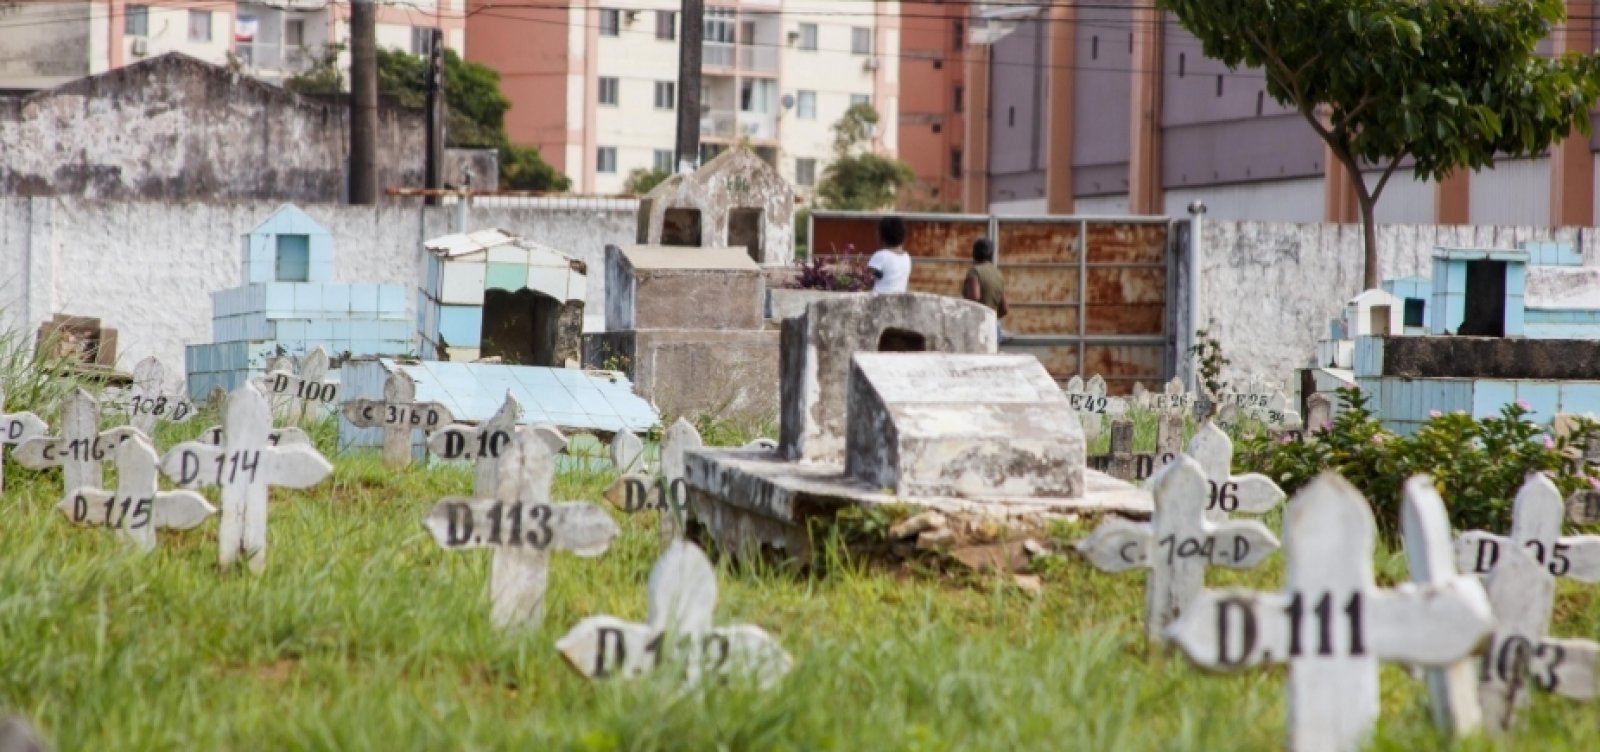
pixel 149 401
pixel 627 452
pixel 1332 624
pixel 16 428
pixel 483 445
pixel 398 414
pixel 1176 545
pixel 1171 399
pixel 1425 528
pixel 1536 526
pixel 1520 656
pixel 287 436
pixel 81 447
pixel 301 390
pixel 679 627
pixel 522 525
pixel 245 465
pixel 1250 493
pixel 666 492
pixel 1089 400
pixel 136 510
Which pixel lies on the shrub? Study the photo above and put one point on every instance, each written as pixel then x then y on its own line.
pixel 847 274
pixel 1477 465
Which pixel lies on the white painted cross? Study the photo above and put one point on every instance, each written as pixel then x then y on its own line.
pixel 136 510
pixel 149 400
pixel 1425 527
pixel 679 628
pixel 16 428
pixel 523 526
pixel 482 445
pixel 1172 398
pixel 666 492
pixel 1536 526
pixel 1520 655
pixel 287 436
pixel 81 447
pixel 1089 400
pixel 1176 545
pixel 244 466
pixel 1332 624
pixel 304 389
pixel 1250 493
pixel 1271 408
pixel 398 414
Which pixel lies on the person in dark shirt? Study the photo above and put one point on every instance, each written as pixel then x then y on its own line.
pixel 984 283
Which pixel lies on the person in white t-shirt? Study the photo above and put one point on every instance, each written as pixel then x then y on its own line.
pixel 891 266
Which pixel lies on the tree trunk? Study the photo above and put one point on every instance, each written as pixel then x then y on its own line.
pixel 1369 236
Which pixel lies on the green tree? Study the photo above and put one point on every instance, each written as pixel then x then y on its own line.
pixel 859 179
pixel 1447 83
pixel 642 181
pixel 475 109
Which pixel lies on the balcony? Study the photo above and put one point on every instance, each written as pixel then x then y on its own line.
pixel 716 55
pixel 758 59
pixel 259 57
pixel 728 125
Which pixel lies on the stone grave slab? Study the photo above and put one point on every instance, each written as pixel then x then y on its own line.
pixel 679 631
pixel 1177 545
pixel 244 466
pixel 136 509
pixel 398 414
pixel 1521 656
pixel 1536 526
pixel 961 425
pixel 81 448
pixel 522 526
pixel 16 428
pixel 1332 624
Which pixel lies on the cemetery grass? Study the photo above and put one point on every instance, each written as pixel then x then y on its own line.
pixel 364 634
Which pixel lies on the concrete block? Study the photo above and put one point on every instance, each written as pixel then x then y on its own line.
pixel 658 287
pixel 690 372
pixel 463 283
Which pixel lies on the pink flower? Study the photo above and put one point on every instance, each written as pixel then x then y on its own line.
pixel 1327 425
pixel 1522 404
pixel 1434 413
pixel 1378 438
pixel 1594 483
pixel 1549 443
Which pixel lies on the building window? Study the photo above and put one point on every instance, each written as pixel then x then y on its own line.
pixel 805 172
pixel 856 99
pixel 955 163
pixel 958 35
pixel 610 22
pixel 808 36
pixel 136 22
pixel 666 95
pixel 719 26
pixel 605 160
pixel 1415 309
pixel 666 25
pixel 421 41
pixel 956 97
pixel 608 90
pixel 662 161
pixel 199 25
pixel 860 40
pixel 294 32
pixel 806 105
pixel 755 95
pixel 293 259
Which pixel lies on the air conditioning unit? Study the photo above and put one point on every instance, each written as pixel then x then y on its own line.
pixel 871 64
pixel 141 47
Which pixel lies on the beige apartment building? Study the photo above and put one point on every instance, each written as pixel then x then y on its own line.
pixel 594 84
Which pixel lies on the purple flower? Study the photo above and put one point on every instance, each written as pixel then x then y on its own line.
pixel 1522 404
pixel 1434 414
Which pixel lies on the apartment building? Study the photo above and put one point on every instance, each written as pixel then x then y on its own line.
pixel 1113 108
pixel 50 42
pixel 594 86
pixel 932 64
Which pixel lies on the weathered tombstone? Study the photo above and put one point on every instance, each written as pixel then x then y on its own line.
pixel 245 465
pixel 303 390
pixel 1172 398
pixel 398 414
pixel 1122 464
pixel 482 445
pixel 523 526
pixel 679 627
pixel 16 428
pixel 81 447
pixel 680 437
pixel 1176 545
pixel 1520 654
pixel 1425 527
pixel 1583 507
pixel 149 400
pixel 1251 493
pixel 1536 526
pixel 137 509
pixel 627 452
pixel 217 398
pixel 1089 401
pixel 287 436
pixel 1332 624
pixel 1319 412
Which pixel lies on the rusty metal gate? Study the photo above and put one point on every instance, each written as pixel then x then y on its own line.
pixel 1087 295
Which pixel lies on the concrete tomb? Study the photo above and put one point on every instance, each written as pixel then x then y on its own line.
pixel 1332 624
pixel 735 200
pixel 491 294
pixel 679 631
pixel 523 526
pixel 685 325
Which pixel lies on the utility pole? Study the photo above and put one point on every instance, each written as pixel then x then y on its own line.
pixel 433 178
pixel 691 33
pixel 363 102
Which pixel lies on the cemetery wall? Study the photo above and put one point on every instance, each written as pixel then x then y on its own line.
pixel 148 268
pixel 1268 289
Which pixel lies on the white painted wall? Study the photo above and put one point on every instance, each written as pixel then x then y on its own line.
pixel 147 269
